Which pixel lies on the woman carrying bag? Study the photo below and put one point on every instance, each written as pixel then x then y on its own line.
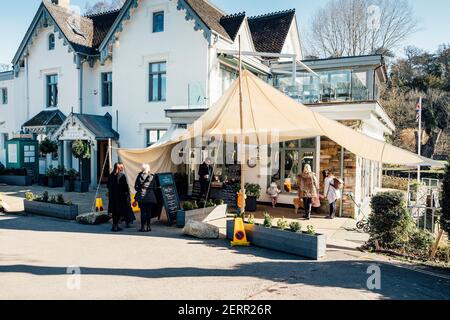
pixel 145 196
pixel 308 187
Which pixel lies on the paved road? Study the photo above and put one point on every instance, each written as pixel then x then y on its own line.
pixel 35 253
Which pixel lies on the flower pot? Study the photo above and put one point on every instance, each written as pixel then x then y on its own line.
pixel 17 180
pixel 250 204
pixel 43 180
pixel 51 209
pixel 55 182
pixel 69 185
pixel 81 186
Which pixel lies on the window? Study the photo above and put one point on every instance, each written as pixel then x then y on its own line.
pixel 158 21
pixel 153 135
pixel 51 42
pixel 107 89
pixel 290 160
pixel 157 91
pixel 52 90
pixel 4 97
pixel 29 154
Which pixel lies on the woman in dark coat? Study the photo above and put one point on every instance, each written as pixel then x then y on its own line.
pixel 145 195
pixel 119 196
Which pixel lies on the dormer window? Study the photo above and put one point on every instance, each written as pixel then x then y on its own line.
pixel 158 21
pixel 51 42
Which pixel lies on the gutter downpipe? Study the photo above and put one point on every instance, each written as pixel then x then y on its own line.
pixel 28 87
pixel 80 63
pixel 341 205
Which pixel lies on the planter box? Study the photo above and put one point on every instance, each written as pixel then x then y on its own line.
pixel 300 244
pixel 51 210
pixel 69 185
pixel 81 186
pixel 201 215
pixel 250 204
pixel 17 180
pixel 43 180
pixel 55 182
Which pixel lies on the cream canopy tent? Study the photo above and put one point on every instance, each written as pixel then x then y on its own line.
pixel 268 116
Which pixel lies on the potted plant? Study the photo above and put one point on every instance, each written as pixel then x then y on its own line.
pixel 253 192
pixel 55 177
pixel 82 151
pixel 46 147
pixel 69 183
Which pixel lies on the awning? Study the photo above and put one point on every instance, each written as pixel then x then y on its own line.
pixel 268 117
pixel 45 122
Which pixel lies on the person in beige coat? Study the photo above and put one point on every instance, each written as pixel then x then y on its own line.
pixel 308 189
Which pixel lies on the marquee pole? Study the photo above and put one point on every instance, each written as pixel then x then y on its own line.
pixel 242 202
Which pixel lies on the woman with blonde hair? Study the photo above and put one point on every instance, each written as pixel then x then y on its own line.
pixel 145 186
pixel 308 189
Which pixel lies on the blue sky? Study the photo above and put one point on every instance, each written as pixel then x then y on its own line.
pixel 15 17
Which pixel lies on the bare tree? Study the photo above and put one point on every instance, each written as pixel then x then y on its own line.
pixel 358 27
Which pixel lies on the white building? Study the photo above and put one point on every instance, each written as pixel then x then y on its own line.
pixel 128 75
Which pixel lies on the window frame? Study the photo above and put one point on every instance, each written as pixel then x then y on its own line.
pixel 154 21
pixel 106 85
pixel 159 132
pixel 50 85
pixel 161 96
pixel 4 96
pixel 51 42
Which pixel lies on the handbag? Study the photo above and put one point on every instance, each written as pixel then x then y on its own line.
pixel 316 202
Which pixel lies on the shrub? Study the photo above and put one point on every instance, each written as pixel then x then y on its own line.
pixel 390 222
pixel 310 230
pixel 187 206
pixel 282 224
pixel 53 200
pixel 60 199
pixel 253 190
pixel 45 197
pixel 295 226
pixel 13 172
pixel 267 220
pixel 443 254
pixel 219 202
pixel 251 219
pixel 445 218
pixel 81 149
pixel 47 146
pixel 420 243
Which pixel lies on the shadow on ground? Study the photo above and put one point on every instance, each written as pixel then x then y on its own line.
pixel 396 283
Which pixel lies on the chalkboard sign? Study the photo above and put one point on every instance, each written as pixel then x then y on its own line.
pixel 169 195
pixel 233 172
pixel 196 190
pixel 229 195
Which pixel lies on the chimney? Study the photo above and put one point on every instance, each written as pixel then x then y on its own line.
pixel 62 3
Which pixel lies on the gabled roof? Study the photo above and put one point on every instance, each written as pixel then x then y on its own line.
pixel 232 24
pixel 269 31
pixel 83 34
pixel 46 118
pixel 100 126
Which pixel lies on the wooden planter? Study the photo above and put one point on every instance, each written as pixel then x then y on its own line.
pixel 17 180
pixel 300 244
pixel 250 204
pixel 51 210
pixel 69 185
pixel 55 182
pixel 81 186
pixel 43 180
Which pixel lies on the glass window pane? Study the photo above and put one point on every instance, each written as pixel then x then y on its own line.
pixel 163 87
pixel 154 88
pixel 309 143
pixel 292 144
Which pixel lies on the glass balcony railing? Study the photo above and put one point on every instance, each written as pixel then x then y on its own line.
pixel 330 86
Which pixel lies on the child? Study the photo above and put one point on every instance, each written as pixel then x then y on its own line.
pixel 273 191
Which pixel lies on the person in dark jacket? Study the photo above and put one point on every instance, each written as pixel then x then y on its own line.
pixel 205 172
pixel 119 195
pixel 145 196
